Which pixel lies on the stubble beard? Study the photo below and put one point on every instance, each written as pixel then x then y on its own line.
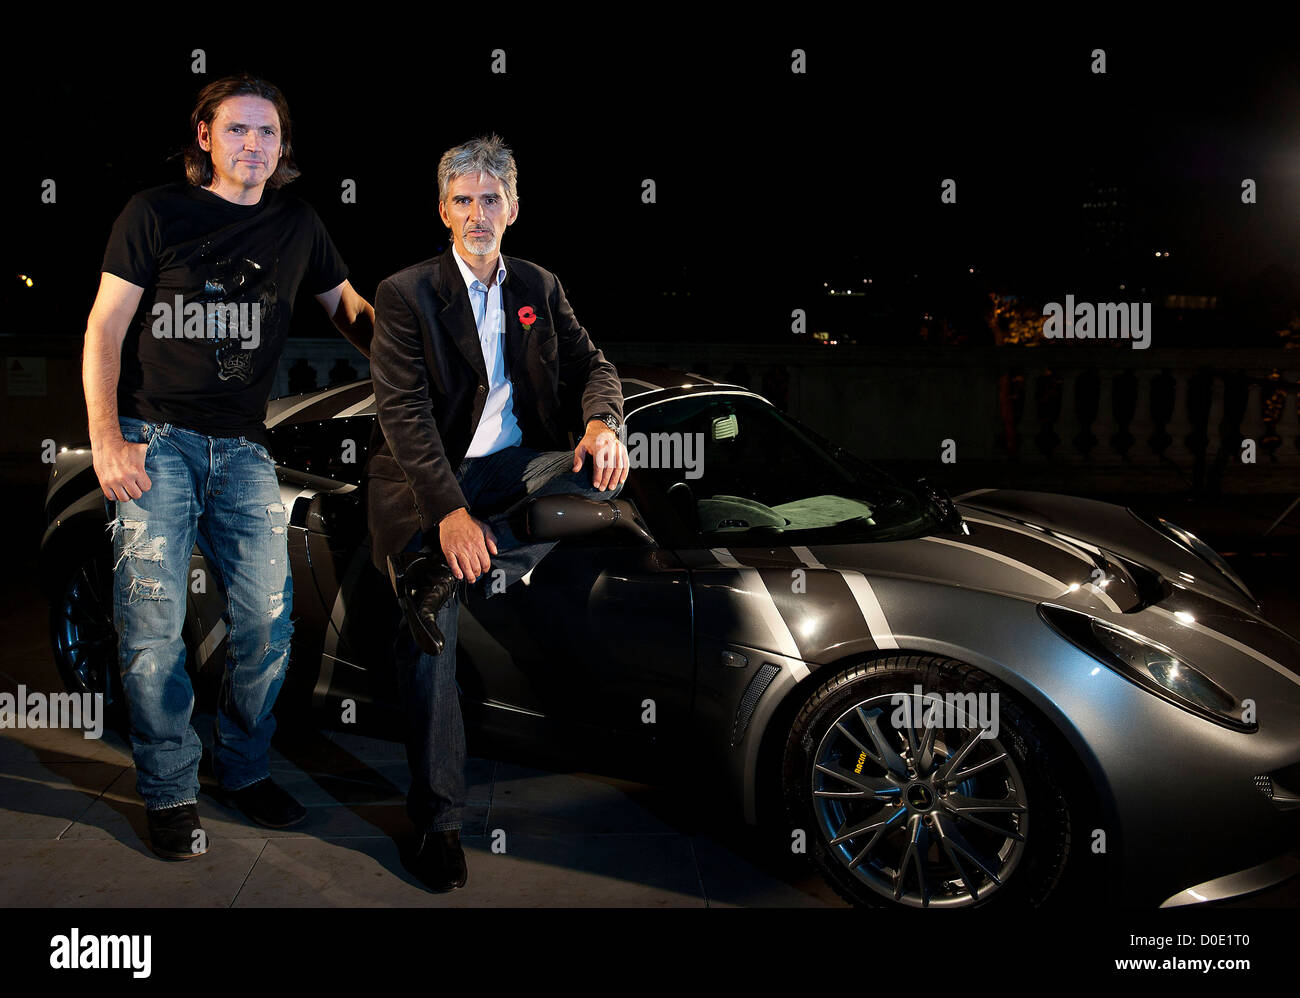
pixel 480 245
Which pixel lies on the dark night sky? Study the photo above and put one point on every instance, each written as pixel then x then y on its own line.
pixel 769 183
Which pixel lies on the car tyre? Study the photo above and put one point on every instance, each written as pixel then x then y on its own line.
pixel 912 816
pixel 82 634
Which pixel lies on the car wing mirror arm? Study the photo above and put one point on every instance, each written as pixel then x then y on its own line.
pixel 550 518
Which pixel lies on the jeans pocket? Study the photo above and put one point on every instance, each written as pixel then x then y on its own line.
pixel 257 449
pixel 136 431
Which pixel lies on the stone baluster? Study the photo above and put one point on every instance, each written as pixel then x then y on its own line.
pixel 1103 424
pixel 1029 426
pixel 1214 424
pixel 1141 426
pixel 1252 420
pixel 1179 426
pixel 1067 425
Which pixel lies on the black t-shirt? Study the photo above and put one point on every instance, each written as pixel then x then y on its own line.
pixel 207 361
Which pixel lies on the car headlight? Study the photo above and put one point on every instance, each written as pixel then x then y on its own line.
pixel 1198 547
pixel 1151 665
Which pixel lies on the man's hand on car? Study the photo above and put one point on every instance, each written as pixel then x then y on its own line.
pixel 610 465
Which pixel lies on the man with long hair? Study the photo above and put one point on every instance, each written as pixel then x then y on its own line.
pixel 181 350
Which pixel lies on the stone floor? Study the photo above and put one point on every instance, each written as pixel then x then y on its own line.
pixel 72 833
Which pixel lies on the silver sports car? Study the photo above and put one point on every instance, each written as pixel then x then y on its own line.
pixel 997 700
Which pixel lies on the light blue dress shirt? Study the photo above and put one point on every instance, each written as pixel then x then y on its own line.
pixel 497 428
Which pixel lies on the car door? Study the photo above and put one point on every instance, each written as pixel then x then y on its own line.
pixel 599 637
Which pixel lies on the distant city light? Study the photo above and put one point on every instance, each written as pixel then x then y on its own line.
pixel 25 279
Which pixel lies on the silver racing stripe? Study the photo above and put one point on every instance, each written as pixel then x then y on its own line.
pixel 1061 587
pixel 863 594
pixel 725 558
pixel 352 410
pixel 1210 632
pixel 209 644
pixel 807 557
pixel 870 607
pixel 767 610
pixel 314 399
pixel 1038 535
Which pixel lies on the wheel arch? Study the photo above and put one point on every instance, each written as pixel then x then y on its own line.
pixel 770 727
pixel 83 524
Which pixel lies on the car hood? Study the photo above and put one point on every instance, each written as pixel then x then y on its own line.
pixel 1154 561
pixel 1014 551
pixel 1034 546
pixel 1092 557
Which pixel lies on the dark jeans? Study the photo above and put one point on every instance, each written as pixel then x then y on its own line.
pixel 435 746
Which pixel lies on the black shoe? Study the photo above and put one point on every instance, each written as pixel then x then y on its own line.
pixel 437 860
pixel 423 585
pixel 175 832
pixel 265 803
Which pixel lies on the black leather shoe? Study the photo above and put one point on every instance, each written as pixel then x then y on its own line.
pixel 423 585
pixel 172 832
pixel 267 804
pixel 437 860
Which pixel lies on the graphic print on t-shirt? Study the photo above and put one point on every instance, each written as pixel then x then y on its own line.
pixel 235 333
pixel 219 284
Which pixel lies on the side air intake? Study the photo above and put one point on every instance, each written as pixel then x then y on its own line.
pixel 753 693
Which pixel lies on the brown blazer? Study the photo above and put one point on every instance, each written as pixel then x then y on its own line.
pixel 431 384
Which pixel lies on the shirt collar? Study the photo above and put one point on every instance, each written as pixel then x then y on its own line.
pixel 470 279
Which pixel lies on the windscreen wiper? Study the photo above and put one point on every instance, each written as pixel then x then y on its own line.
pixel 939 500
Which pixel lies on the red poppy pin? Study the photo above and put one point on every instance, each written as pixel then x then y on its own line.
pixel 527 316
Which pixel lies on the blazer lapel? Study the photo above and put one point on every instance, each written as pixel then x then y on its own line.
pixel 457 314
pixel 515 294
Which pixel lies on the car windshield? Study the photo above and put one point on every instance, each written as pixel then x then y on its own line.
pixel 737 470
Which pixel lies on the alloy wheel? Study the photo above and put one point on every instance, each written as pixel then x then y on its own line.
pixel 918 802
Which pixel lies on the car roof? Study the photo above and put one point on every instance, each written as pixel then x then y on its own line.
pixel 643 382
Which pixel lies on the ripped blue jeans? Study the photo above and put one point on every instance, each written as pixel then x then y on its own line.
pixel 221 493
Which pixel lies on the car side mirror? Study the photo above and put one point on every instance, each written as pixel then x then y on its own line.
pixel 550 518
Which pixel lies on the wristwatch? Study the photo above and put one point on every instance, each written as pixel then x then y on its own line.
pixel 609 419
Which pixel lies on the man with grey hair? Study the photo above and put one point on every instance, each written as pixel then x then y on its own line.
pixel 477 359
